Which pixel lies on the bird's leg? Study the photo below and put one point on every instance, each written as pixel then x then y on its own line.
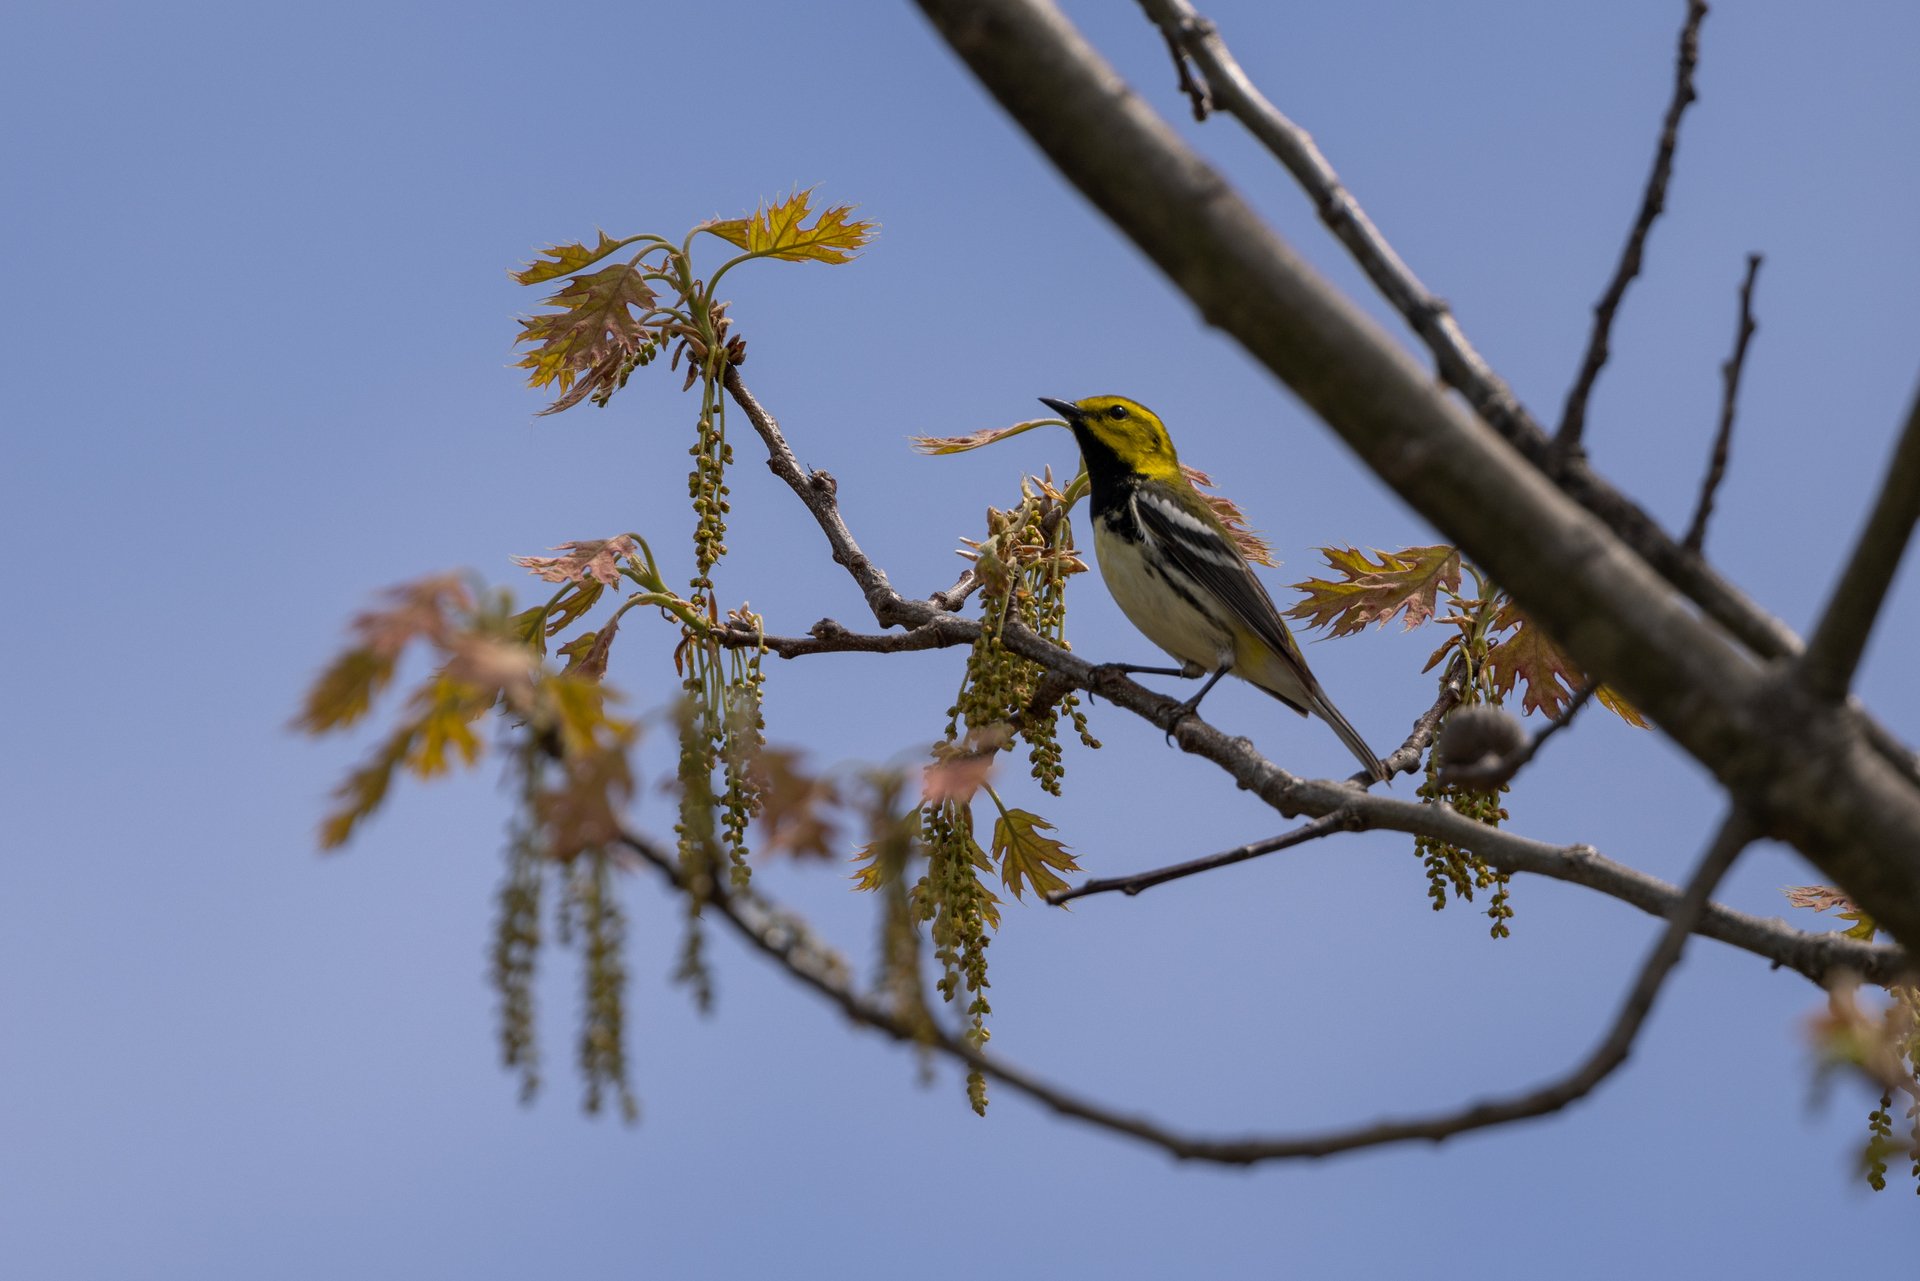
pixel 1186 709
pixel 1187 670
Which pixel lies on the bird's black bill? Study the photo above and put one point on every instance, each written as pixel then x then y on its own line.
pixel 1065 408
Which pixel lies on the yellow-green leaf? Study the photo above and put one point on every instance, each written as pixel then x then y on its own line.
pixel 345 691
pixel 564 260
pixel 781 230
pixel 1368 591
pixel 1611 700
pixel 1028 858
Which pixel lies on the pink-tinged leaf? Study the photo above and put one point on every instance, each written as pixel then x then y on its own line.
pixel 1529 656
pixel 1366 590
pixel 1824 898
pixel 596 558
pixel 1251 544
pixel 985 436
pixel 591 337
pixel 564 260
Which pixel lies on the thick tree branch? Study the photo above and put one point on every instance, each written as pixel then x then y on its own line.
pixel 1653 201
pixel 1840 638
pixel 1801 764
pixel 1461 366
pixel 1729 396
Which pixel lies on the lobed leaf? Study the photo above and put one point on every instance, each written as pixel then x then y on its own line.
pixel 780 230
pixel 1529 656
pixel 1406 582
pixel 564 260
pixel 591 337
pixel 1026 857
pixel 595 558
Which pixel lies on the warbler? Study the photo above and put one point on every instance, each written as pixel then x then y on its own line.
pixel 1176 573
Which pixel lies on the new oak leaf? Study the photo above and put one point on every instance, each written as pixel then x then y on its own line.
pixel 1366 590
pixel 1028 858
pixel 781 230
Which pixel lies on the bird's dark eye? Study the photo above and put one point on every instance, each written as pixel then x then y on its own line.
pixel 1118 411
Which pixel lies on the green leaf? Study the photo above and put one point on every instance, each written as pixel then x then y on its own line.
pixel 1028 858
pixel 1368 591
pixel 781 230
pixel 345 691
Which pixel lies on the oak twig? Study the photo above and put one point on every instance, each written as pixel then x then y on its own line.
pixel 1729 394
pixel 1653 202
pixel 1840 637
pixel 1460 365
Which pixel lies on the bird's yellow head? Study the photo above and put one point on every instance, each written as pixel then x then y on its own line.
pixel 1127 430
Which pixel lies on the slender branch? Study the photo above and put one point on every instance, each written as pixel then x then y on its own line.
pixel 1653 202
pixel 1326 825
pixel 1461 366
pixel 1840 637
pixel 781 939
pixel 830 637
pixel 1729 394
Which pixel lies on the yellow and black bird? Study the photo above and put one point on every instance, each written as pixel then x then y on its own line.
pixel 1177 574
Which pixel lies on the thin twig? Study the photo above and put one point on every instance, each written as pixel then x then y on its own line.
pixel 1232 92
pixel 1326 825
pixel 781 939
pixel 1652 202
pixel 1840 637
pixel 1729 395
pixel 830 637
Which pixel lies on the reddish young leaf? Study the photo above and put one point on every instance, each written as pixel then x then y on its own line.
pixel 595 557
pixel 1372 591
pixel 592 335
pixel 986 436
pixel 1252 546
pixel 1529 655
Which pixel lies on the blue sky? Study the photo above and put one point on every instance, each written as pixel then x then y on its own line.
pixel 257 366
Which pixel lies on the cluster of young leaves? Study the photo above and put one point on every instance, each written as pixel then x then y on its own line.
pixel 1882 1046
pixel 1505 648
pixel 567 752
pixel 1493 649
pixel 604 324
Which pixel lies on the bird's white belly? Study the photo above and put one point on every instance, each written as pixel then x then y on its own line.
pixel 1151 605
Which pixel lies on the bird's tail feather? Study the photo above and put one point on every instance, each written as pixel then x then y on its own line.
pixel 1327 712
